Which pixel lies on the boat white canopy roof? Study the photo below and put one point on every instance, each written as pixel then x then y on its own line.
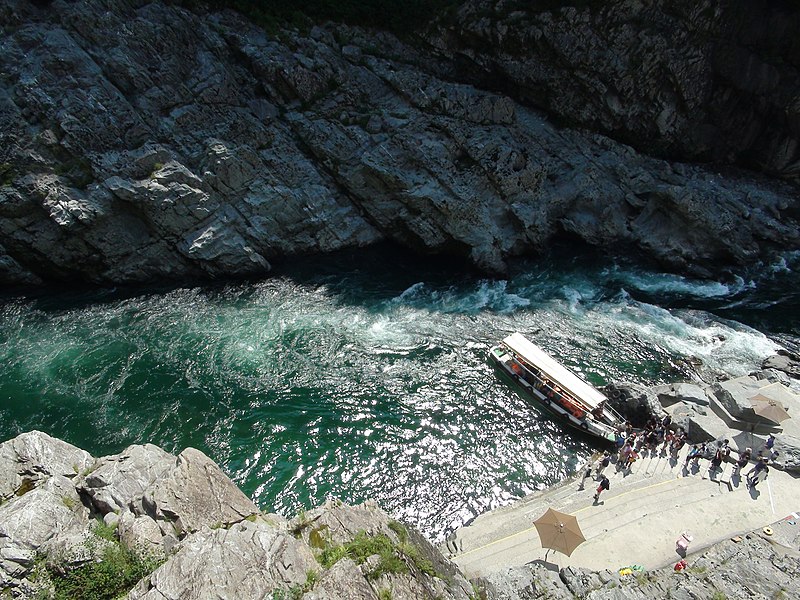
pixel 558 373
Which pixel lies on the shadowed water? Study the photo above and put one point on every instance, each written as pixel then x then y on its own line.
pixel 364 375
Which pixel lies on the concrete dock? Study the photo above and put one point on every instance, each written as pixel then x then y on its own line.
pixel 637 521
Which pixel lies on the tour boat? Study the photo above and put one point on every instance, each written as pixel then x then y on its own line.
pixel 555 388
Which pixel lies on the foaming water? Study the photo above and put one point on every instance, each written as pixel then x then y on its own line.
pixel 359 381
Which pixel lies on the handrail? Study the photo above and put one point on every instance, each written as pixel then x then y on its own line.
pixel 574 399
pixel 567 398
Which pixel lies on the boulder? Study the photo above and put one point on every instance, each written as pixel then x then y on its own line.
pixel 32 457
pixel 119 481
pixel 637 403
pixel 143 533
pixel 343 580
pixel 582 581
pixel 249 560
pixel 734 395
pixel 785 362
pixel 195 493
pixel 707 427
pixel 335 523
pixel 687 393
pixel 49 517
pixel 683 413
pixel 789 452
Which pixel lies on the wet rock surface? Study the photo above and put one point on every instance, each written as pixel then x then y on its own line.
pixel 138 152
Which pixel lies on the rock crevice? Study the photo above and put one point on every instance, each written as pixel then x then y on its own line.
pixel 135 152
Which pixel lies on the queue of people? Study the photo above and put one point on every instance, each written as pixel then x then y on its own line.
pixel 659 438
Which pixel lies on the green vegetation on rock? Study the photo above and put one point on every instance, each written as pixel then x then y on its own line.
pixel 113 574
pixel 394 558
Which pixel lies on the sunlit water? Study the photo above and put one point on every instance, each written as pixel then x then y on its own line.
pixel 364 375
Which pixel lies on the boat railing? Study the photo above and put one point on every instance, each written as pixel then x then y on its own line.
pixel 550 390
pixel 617 417
pixel 561 397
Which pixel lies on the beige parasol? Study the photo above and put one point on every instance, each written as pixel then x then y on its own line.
pixel 780 394
pixel 769 408
pixel 559 531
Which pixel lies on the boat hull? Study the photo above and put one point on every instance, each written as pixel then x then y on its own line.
pixel 528 387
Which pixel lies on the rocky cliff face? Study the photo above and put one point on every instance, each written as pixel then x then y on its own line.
pixel 61 510
pixel 141 142
pixel 690 80
pixel 199 533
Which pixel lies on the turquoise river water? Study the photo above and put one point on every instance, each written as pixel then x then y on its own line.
pixel 364 375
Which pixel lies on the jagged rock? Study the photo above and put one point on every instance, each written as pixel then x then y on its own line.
pixel 32 457
pixel 789 452
pixel 688 393
pixel 734 395
pixel 530 582
pixel 783 361
pixel 249 560
pixel 683 414
pixel 772 376
pixel 343 581
pixel 35 522
pixel 707 427
pixel 581 581
pixel 235 148
pixel 143 533
pixel 685 79
pixel 335 523
pixel 196 493
pixel 637 403
pixel 119 481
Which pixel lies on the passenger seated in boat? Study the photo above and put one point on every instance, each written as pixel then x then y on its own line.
pixel 597 413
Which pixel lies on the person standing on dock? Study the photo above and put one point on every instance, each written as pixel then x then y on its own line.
pixel 744 458
pixel 602 463
pixel 587 472
pixel 604 485
pixel 624 453
pixel 758 473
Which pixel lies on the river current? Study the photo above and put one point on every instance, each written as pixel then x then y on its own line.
pixel 364 374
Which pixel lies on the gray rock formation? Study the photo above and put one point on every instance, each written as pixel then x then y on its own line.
pixel 118 480
pixel 688 79
pixel 211 539
pixel 249 560
pixel 689 393
pixel 195 494
pixel 335 523
pixel 788 447
pixel 785 362
pixel 49 518
pixel 734 395
pixel 135 151
pixel 33 457
pixel 531 582
pixel 636 402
